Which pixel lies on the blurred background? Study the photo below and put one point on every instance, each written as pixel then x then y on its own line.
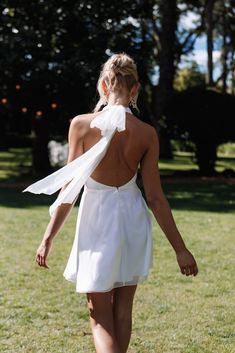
pixel 50 57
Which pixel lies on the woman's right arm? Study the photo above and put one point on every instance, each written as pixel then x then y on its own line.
pixel 160 207
pixel 75 140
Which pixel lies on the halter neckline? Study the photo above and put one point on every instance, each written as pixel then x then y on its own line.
pixel 75 174
pixel 108 106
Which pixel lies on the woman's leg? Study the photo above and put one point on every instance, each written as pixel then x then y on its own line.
pixel 102 325
pixel 122 312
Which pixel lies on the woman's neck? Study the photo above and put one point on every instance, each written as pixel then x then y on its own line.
pixel 118 100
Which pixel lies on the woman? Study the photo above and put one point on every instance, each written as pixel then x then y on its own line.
pixel 112 249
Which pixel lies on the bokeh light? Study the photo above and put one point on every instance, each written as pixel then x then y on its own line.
pixel 54 105
pixel 39 113
pixel 24 109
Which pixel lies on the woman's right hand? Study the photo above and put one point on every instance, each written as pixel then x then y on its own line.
pixel 42 253
pixel 187 263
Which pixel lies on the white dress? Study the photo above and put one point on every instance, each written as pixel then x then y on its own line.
pixel 113 239
pixel 112 246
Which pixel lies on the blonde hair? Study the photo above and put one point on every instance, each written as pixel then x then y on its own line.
pixel 119 72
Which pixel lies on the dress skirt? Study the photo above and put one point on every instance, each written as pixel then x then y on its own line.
pixel 113 239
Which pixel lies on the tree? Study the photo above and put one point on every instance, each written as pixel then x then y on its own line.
pixel 165 40
pixel 209 25
pixel 167 43
pixel 171 42
pixel 55 50
pixel 205 115
pixel 225 32
pixel 232 44
pixel 189 77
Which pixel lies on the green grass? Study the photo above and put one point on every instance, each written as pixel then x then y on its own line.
pixel 16 163
pixel 185 161
pixel 227 149
pixel 41 312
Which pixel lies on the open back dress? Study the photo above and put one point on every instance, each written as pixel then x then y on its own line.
pixel 112 245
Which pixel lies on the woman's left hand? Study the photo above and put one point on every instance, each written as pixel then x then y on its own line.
pixel 187 263
pixel 42 253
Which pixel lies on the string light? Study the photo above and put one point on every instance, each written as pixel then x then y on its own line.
pixel 54 105
pixel 4 100
pixel 39 113
pixel 24 109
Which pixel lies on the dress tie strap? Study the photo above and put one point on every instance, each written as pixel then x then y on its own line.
pixel 111 119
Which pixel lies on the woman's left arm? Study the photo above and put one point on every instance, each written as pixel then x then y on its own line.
pixel 75 139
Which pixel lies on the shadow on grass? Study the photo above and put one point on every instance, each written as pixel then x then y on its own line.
pixel 15 164
pixel 211 197
pixel 16 198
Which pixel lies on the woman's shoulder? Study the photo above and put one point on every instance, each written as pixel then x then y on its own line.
pixel 80 124
pixel 144 127
pixel 82 118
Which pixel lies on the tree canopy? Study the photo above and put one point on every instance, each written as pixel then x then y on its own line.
pixel 51 53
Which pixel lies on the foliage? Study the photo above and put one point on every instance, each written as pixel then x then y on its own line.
pixel 54 51
pixel 227 149
pixel 51 52
pixel 215 19
pixel 189 77
pixel 205 117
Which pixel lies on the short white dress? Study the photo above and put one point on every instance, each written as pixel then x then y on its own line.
pixel 112 246
pixel 113 240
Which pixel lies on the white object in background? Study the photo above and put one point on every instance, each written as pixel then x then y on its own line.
pixel 58 153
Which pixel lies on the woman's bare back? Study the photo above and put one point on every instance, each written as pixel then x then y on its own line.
pixel 124 153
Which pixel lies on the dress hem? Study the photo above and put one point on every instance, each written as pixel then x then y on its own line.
pixel 118 285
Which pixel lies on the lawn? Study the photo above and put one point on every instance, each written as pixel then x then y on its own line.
pixel 41 312
pixel 16 163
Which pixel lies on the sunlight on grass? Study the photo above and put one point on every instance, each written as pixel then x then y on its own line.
pixel 41 312
pixel 182 161
pixel 17 162
pixel 14 162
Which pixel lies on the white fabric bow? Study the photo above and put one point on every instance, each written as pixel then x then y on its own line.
pixel 111 119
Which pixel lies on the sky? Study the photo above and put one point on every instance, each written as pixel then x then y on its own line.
pixel 199 53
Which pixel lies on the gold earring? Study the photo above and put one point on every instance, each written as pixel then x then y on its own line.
pixel 133 103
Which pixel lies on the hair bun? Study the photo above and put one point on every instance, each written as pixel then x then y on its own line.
pixel 116 68
pixel 119 73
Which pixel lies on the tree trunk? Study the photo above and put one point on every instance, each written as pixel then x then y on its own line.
pixel 206 157
pixel 232 70
pixel 163 91
pixel 169 19
pixel 143 101
pixel 224 53
pixel 41 163
pixel 209 6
